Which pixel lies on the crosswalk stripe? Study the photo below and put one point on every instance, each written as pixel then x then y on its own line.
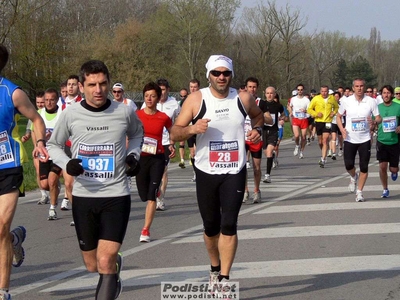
pixel 306 231
pixel 243 270
pixel 329 206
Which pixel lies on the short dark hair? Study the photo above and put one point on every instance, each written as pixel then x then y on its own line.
pixel 64 84
pixel 153 86
pixel 194 80
pixel 51 91
pixel 3 57
pixel 389 88
pixel 252 79
pixel 163 82
pixel 39 94
pixel 72 77
pixel 93 67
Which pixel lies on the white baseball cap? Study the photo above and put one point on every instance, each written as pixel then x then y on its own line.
pixel 216 61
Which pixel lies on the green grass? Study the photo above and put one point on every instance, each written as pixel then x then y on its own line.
pixel 29 169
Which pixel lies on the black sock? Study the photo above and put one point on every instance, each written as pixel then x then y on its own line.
pixel 220 277
pixel 192 160
pixel 106 287
pixel 269 164
pixel 216 269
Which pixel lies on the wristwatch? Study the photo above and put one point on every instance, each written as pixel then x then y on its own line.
pixel 259 130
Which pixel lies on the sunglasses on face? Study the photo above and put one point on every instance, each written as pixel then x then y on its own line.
pixel 369 91
pixel 183 96
pixel 117 92
pixel 218 73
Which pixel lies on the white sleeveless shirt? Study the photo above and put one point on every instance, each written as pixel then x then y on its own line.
pixel 221 149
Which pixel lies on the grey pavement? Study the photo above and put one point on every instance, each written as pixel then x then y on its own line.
pixel 308 239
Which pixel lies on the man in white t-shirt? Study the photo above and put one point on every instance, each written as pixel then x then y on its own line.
pixel 298 110
pixel 356 134
pixel 118 94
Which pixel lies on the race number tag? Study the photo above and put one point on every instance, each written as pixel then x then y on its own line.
pixel 224 155
pixel 389 124
pixel 273 116
pixel 299 114
pixel 247 127
pixel 98 161
pixel 149 145
pixel 359 124
pixel 6 155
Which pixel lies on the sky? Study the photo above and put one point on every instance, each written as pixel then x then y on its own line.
pixel 352 17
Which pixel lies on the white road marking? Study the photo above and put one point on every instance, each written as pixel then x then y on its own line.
pixel 244 270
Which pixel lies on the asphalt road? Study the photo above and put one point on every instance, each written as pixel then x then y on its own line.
pixel 308 239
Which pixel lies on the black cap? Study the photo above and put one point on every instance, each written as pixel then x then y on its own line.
pixel 313 91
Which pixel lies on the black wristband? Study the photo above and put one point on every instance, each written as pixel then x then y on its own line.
pixel 41 140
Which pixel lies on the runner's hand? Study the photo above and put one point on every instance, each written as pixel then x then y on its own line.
pixel 74 167
pixel 132 165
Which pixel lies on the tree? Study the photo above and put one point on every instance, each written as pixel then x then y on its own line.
pixel 361 68
pixel 340 75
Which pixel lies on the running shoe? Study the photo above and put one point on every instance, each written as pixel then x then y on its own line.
pixel 329 153
pixel 248 165
pixel 340 152
pixel 296 151
pixel 160 204
pixel 308 142
pixel 359 197
pixel 385 193
pixel 213 282
pixel 322 163
pixel 65 204
pixel 145 236
pixel 72 223
pixel 394 176
pixel 256 197
pixel 353 184
pixel 245 196
pixel 119 281
pixel 334 156
pixel 182 165
pixel 267 178
pixel 5 296
pixel 301 155
pixel 52 215
pixel 194 177
pixel 224 289
pixel 19 233
pixel 44 200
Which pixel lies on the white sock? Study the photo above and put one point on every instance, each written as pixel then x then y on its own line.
pixel 44 193
pixel 53 206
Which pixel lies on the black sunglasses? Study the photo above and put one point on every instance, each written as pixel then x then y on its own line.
pixel 117 92
pixel 182 96
pixel 369 91
pixel 216 73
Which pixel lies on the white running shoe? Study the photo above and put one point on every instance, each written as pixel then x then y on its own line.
pixel 245 196
pixel 160 204
pixel 257 197
pixel 44 200
pixel 144 236
pixel 52 215
pixel 65 204
pixel 301 155
pixel 353 184
pixel 267 178
pixel 296 151
pixel 329 153
pixel 194 177
pixel 340 153
pixel 359 197
pixel 248 165
pixel 213 282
